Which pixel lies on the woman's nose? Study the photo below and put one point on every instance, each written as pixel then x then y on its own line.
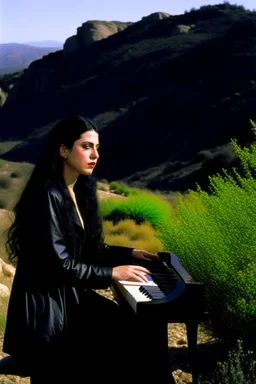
pixel 95 154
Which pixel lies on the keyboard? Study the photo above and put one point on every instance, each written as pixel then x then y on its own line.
pixel 170 291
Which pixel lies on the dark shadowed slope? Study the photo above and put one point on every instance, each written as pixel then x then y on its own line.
pixel 167 99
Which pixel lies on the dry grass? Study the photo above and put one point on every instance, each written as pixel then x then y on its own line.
pixel 128 233
pixel 104 195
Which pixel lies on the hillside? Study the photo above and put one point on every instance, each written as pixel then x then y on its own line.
pixel 168 94
pixel 16 57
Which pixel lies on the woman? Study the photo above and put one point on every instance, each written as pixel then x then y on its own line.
pixel 57 325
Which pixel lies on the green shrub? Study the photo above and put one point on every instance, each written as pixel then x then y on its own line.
pixel 214 236
pixel 143 207
pixel 239 368
pixel 122 189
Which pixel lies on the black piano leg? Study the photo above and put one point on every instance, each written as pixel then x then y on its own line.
pixel 192 328
pixel 154 343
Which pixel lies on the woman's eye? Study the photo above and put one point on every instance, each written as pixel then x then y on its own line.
pixel 89 146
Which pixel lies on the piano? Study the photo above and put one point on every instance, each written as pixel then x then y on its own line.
pixel 171 295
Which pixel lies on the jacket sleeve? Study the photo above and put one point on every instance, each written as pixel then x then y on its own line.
pixel 59 259
pixel 114 255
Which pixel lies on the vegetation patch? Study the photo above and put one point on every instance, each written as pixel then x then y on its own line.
pixel 214 235
pixel 128 233
pixel 144 207
pixel 238 368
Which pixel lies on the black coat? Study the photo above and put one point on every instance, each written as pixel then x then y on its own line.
pixel 54 275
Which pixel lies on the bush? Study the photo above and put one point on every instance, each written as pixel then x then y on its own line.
pixel 214 236
pixel 122 240
pixel 240 368
pixel 128 233
pixel 122 189
pixel 15 174
pixel 142 208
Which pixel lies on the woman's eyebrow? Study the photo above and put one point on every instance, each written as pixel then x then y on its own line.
pixel 90 143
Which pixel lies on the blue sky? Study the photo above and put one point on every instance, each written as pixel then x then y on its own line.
pixel 22 21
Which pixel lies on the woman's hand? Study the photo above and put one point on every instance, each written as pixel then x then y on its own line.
pixel 130 273
pixel 145 255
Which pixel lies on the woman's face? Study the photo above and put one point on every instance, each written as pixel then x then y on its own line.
pixel 83 156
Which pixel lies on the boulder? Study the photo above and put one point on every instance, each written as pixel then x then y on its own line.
pixel 4 291
pixel 94 30
pixel 91 31
pixel 7 270
pixel 181 29
pixel 156 16
pixel 3 97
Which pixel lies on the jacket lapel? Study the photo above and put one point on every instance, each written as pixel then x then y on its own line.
pixel 77 222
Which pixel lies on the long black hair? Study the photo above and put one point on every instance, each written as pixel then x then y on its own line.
pixel 50 167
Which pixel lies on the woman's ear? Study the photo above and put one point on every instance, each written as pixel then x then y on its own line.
pixel 63 151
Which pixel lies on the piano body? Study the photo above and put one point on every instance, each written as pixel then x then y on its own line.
pixel 170 296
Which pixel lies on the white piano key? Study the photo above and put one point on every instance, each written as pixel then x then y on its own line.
pixel 130 290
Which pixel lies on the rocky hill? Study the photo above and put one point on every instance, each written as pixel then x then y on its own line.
pixel 168 93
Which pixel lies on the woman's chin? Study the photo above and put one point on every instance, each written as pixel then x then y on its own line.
pixel 87 172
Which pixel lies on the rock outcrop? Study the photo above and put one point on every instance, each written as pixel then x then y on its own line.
pixel 91 31
pixel 156 16
pixel 94 30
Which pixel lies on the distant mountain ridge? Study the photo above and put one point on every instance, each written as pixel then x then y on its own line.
pixel 46 44
pixel 167 94
pixel 15 57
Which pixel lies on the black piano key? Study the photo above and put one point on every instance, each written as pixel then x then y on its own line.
pixel 146 293
pixel 164 276
pixel 152 292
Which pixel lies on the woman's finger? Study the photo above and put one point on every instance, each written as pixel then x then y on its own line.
pixel 142 269
pixel 140 276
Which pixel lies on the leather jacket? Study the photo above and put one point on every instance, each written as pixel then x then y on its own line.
pixel 54 274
